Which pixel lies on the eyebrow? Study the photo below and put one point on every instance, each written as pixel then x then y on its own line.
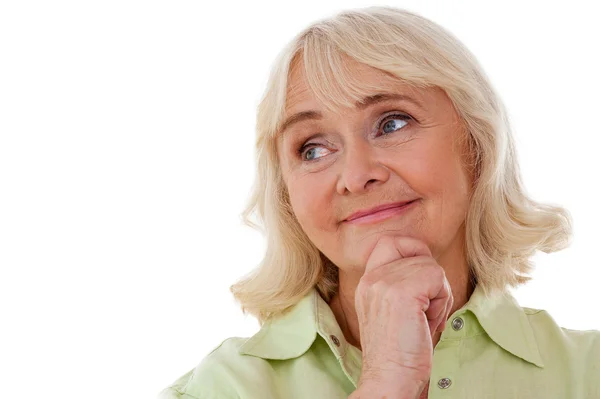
pixel 361 104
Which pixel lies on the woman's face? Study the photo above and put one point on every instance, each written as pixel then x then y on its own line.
pixel 385 152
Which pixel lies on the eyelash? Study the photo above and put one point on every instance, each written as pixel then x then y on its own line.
pixel 307 146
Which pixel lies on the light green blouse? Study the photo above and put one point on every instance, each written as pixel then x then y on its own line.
pixel 491 348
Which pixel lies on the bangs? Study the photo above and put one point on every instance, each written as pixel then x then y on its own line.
pixel 330 79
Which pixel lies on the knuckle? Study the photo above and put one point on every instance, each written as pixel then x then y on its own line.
pixel 362 287
pixel 369 284
pixel 381 285
pixel 437 271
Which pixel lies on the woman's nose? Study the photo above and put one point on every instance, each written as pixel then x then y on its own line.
pixel 360 168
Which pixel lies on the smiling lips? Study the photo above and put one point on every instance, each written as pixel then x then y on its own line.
pixel 379 213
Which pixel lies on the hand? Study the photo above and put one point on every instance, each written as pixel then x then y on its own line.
pixel 401 301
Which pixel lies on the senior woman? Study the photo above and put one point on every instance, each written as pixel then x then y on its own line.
pixel 390 194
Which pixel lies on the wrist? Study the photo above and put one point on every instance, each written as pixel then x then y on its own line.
pixel 400 389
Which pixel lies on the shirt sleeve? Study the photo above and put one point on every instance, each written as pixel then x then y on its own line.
pixel 211 379
pixel 173 393
pixel 593 365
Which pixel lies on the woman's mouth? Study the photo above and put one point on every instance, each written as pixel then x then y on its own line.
pixel 382 215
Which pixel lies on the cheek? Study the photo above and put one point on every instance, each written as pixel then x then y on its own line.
pixel 310 201
pixel 435 172
pixel 445 186
pixel 425 170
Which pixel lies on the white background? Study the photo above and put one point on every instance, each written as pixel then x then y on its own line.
pixel 126 157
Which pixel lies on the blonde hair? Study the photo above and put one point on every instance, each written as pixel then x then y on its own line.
pixel 504 227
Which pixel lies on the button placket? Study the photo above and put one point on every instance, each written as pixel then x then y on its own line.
pixel 446 355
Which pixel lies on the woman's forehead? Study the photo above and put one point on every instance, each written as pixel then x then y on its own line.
pixel 361 81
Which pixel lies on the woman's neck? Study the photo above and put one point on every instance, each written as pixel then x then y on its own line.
pixel 342 304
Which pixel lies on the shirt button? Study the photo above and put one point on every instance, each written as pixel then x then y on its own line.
pixel 457 323
pixel 335 340
pixel 444 383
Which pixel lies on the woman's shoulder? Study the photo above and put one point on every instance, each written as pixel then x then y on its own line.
pixel 543 320
pixel 212 377
pixel 289 348
pixel 580 346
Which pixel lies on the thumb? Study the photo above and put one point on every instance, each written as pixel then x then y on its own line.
pixel 390 248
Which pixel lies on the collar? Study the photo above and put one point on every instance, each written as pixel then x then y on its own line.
pixel 293 333
pixel 504 321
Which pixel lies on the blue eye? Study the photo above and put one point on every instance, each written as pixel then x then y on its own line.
pixel 312 150
pixel 389 124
